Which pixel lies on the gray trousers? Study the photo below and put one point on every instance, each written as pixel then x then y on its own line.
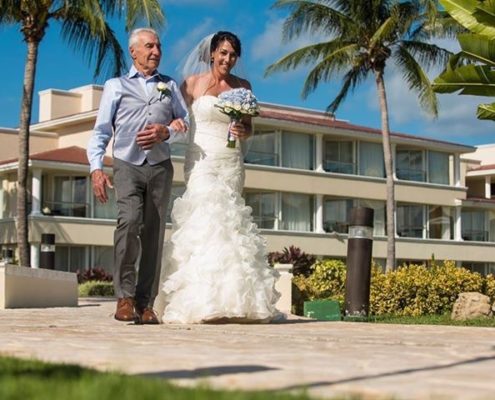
pixel 143 193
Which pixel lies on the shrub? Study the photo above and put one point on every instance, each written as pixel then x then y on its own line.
pixel 326 281
pixel 489 287
pixel 411 290
pixel 93 274
pixel 300 261
pixel 96 288
pixel 418 290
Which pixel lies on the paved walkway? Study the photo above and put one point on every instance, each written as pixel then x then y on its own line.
pixel 327 358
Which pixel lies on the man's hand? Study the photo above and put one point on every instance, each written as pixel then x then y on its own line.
pixel 151 135
pixel 100 182
pixel 178 125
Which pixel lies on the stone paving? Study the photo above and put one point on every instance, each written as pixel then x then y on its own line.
pixel 326 358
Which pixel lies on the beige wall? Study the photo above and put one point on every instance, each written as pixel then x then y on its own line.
pixel 348 186
pixel 9 144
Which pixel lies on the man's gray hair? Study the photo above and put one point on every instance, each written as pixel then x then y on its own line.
pixel 133 37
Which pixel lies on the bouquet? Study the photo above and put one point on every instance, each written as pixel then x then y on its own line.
pixel 237 103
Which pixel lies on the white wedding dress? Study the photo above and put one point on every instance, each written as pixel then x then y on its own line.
pixel 214 266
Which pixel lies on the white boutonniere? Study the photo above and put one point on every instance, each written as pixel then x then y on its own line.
pixel 164 90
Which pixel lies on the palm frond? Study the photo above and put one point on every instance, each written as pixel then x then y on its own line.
pixel 309 16
pixel 417 80
pixel 87 31
pixel 486 111
pixel 333 63
pixel 351 79
pixel 429 55
pixel 303 56
pixel 10 11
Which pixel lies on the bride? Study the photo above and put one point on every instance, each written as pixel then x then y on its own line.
pixel 215 269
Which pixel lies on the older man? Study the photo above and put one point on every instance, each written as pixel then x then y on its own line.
pixel 145 112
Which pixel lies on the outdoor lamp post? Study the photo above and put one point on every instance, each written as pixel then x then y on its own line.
pixel 47 251
pixel 358 277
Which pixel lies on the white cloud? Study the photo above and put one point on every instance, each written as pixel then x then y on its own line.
pixel 187 42
pixel 269 46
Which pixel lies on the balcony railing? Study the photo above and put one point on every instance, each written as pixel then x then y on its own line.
pixel 410 231
pixel 65 209
pixel 336 226
pixel 475 235
pixel 261 158
pixel 416 175
pixel 340 167
pixel 265 222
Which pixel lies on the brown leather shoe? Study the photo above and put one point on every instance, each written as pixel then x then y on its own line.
pixel 125 309
pixel 146 316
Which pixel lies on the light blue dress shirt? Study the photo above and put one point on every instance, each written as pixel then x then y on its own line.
pixel 110 101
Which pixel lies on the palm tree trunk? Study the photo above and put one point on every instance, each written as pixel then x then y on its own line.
pixel 22 174
pixel 389 171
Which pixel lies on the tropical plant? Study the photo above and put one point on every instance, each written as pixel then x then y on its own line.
pixel 301 262
pixel 362 36
pixel 85 27
pixel 471 71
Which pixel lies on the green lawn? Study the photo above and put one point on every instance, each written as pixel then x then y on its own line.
pixel 29 380
pixel 432 320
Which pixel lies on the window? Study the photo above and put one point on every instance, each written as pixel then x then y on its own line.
pixel 297 150
pixel 371 159
pixel 262 149
pixel 336 213
pixel 410 220
pixel 410 165
pixel 103 258
pixel 106 210
pixel 297 212
pixel 71 258
pixel 438 167
pixel 263 205
pixel 379 215
pixel 66 195
pixel 440 223
pixel 339 157
pixel 474 225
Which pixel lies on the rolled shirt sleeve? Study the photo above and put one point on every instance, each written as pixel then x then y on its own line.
pixel 179 111
pixel 103 129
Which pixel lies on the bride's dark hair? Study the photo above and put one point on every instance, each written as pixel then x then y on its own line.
pixel 220 36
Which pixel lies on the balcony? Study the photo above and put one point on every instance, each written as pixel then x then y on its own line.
pixel 339 167
pixel 65 209
pixel 261 158
pixel 411 174
pixel 475 235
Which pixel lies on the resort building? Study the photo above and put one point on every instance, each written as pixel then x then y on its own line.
pixel 305 170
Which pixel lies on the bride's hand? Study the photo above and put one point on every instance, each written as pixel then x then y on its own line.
pixel 240 130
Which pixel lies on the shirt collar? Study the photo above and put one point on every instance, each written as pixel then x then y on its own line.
pixel 133 72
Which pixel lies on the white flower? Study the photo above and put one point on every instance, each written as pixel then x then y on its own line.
pixel 161 87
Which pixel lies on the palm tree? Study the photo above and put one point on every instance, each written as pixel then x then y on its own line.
pixel 362 36
pixel 471 71
pixel 85 27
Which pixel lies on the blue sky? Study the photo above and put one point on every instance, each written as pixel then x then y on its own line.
pixel 259 27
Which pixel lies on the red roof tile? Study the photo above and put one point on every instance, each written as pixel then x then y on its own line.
pixel 71 155
pixel 483 167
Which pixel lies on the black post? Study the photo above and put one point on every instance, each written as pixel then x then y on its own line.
pixel 47 251
pixel 358 277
